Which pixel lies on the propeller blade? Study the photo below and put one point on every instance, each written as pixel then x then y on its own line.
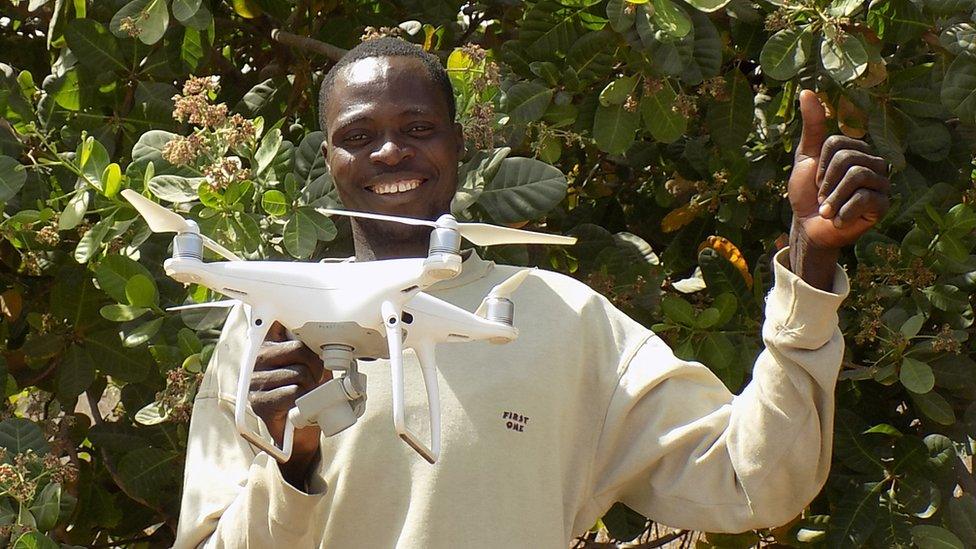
pixel 483 234
pixel 219 250
pixel 505 289
pixel 223 304
pixel 160 219
pixel 380 217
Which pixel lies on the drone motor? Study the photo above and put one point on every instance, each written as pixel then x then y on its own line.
pixel 188 244
pixel 443 256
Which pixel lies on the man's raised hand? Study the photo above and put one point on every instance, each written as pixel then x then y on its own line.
pixel 838 188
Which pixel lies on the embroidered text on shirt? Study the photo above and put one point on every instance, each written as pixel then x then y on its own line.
pixel 515 421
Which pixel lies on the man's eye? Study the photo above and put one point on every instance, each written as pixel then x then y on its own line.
pixel 356 138
pixel 419 128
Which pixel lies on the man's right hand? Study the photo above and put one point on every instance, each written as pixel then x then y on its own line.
pixel 285 370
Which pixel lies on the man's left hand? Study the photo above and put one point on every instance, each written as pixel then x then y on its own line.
pixel 838 190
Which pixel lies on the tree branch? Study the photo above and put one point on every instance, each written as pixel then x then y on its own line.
pixel 309 44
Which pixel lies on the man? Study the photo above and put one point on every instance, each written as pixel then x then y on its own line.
pixel 542 435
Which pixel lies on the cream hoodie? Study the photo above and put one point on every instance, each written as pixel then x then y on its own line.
pixel 540 436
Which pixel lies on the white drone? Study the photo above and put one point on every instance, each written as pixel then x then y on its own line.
pixel 346 311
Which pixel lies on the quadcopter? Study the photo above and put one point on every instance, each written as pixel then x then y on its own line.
pixel 349 311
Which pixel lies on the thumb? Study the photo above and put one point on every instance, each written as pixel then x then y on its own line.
pixel 814 126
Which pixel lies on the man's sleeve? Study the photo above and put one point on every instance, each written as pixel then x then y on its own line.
pixel 678 447
pixel 233 497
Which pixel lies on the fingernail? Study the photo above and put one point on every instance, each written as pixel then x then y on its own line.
pixel 826 210
pixel 820 199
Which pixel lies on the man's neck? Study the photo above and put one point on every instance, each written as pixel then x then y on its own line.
pixel 371 247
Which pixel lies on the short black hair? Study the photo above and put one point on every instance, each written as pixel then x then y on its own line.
pixel 388 47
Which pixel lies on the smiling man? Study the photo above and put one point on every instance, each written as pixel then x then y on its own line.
pixel 540 436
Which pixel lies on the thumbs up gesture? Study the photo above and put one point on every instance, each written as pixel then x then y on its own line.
pixel 838 188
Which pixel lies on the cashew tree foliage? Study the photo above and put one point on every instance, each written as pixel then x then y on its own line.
pixel 659 132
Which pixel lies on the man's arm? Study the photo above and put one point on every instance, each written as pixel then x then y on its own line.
pixel 233 496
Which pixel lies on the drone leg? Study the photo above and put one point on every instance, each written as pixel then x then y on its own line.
pixel 425 352
pixel 394 337
pixel 258 324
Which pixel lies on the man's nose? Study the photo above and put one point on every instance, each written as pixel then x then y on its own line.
pixel 391 152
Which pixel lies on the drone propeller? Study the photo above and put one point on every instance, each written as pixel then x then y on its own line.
pixel 479 234
pixel 503 290
pixel 161 220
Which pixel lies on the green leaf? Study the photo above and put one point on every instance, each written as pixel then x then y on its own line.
pixel 845 8
pixel 47 506
pixel 12 178
pixel 730 122
pixel 888 132
pixel 34 540
pixel 894 529
pixel 927 536
pixel 113 273
pixel 590 56
pixel 117 312
pixel 670 18
pixel 621 19
pixel 706 58
pixel 786 53
pixel 112 180
pixel 151 414
pixel 522 189
pixel 185 9
pixel 92 241
pixel 916 375
pixel 150 472
pixel 857 451
pixel 897 21
pixel 617 91
pixel 959 88
pixel 129 365
pixel 93 45
pixel 930 139
pixel 140 291
pixel 614 128
pixel 18 435
pixel 74 211
pixel 143 333
pixel 312 171
pixel 844 57
pixel 708 5
pixel 526 101
pixel 267 150
pixel 150 19
pixel 935 407
pixel 959 38
pixel 302 232
pixel 854 518
pixel 623 523
pixel 175 188
pixel 962 518
pixel 274 202
pixel 720 275
pixel 665 124
pixel 678 310
pixel 75 374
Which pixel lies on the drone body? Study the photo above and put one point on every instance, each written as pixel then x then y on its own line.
pixel 347 311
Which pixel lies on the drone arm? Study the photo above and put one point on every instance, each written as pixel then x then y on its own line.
pixel 258 324
pixel 394 335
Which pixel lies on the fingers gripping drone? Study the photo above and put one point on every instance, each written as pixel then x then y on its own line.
pixel 348 311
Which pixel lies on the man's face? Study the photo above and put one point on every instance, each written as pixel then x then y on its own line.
pixel 391 146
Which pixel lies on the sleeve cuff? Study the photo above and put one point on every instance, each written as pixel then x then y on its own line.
pixel 288 507
pixel 804 315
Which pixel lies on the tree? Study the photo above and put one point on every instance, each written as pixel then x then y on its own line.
pixel 659 132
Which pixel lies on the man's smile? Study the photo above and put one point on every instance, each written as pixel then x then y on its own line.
pixel 396 185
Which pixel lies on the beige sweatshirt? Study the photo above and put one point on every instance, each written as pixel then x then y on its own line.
pixel 540 436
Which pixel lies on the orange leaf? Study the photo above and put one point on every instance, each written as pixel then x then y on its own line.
pixel 727 249
pixel 678 218
pixel 852 121
pixel 11 303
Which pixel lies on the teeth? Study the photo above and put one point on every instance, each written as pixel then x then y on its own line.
pixel 396 187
